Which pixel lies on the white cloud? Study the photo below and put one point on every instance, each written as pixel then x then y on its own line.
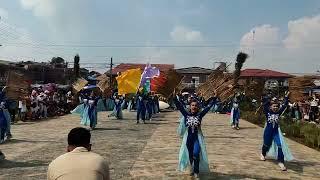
pixel 41 8
pixel 3 14
pixel 296 52
pixel 181 33
pixel 303 32
pixel 66 20
pixel 181 57
pixel 263 35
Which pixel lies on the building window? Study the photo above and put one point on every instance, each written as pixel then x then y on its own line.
pixel 195 80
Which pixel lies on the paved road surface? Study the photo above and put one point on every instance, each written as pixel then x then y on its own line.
pixel 150 151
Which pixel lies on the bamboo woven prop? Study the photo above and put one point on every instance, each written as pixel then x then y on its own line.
pixel 102 77
pixel 297 85
pixel 224 84
pixel 79 84
pixel 104 83
pixel 174 80
pixel 17 85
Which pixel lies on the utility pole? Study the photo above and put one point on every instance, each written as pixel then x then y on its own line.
pixel 111 63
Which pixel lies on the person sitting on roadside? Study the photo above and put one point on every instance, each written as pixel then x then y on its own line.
pixel 79 163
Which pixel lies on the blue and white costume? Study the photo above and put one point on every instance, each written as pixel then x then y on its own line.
pixel 118 104
pixel 274 144
pixel 141 107
pixel 88 111
pixel 193 150
pixel 109 104
pixel 235 115
pixel 5 122
pixel 5 118
pixel 149 106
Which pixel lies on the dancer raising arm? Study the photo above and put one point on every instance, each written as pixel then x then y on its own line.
pixel 273 141
pixel 193 151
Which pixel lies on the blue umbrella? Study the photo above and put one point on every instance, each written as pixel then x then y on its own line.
pixel 90 87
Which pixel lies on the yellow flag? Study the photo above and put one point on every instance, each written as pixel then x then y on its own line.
pixel 129 81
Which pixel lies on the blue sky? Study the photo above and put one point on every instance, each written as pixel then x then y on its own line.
pixel 288 27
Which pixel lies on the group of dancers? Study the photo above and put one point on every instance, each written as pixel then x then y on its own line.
pixel 193 150
pixel 193 109
pixel 146 105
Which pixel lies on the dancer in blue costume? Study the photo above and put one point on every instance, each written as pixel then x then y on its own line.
pixel 109 104
pixel 5 114
pixel 88 110
pixel 3 123
pixel 235 114
pixel 118 104
pixel 157 105
pixel 273 142
pixel 141 107
pixel 193 151
pixel 149 106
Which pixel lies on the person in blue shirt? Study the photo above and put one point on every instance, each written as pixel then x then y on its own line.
pixel 273 140
pixel 193 151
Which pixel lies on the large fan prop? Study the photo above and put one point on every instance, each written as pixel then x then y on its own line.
pixel 225 84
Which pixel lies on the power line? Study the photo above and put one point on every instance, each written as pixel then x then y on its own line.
pixel 260 45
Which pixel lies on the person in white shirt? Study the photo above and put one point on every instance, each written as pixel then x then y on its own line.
pixel 34 104
pixel 22 109
pixel 79 163
pixel 314 108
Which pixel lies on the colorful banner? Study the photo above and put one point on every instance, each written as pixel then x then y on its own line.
pixel 128 81
pixel 149 73
pixel 158 82
pixel 173 80
pixel 147 87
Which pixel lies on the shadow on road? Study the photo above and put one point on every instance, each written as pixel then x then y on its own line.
pixel 6 164
pixel 107 129
pixel 225 137
pixel 242 128
pixel 14 141
pixel 298 166
pixel 215 175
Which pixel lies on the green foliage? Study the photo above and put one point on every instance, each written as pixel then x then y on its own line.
pixel 255 118
pixel 304 132
pixel 57 60
pixel 311 134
